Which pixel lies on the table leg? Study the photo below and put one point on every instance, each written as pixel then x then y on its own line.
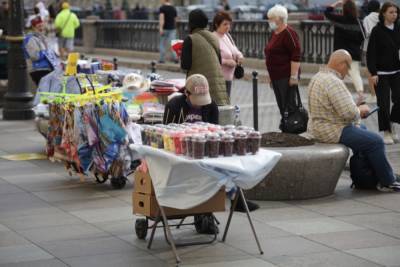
pixel 250 221
pixel 169 235
pixel 233 206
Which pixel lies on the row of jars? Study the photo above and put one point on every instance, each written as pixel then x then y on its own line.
pixel 201 140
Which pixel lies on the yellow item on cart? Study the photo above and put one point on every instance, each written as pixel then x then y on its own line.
pixel 72 64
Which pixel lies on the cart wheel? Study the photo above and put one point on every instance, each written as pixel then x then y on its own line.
pixel 141 228
pixel 198 223
pixel 118 182
pixel 101 178
pixel 205 224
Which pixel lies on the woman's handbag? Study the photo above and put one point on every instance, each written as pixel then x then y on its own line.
pixel 239 72
pixel 295 121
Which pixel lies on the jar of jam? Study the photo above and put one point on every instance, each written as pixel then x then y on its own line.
pixel 177 142
pixel 229 127
pixel 228 141
pixel 198 146
pixel 188 140
pixel 241 143
pixel 212 145
pixel 254 142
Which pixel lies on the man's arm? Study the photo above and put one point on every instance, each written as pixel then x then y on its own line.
pixel 186 57
pixel 161 22
pixel 342 102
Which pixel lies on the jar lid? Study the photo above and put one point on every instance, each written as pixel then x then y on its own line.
pixel 254 134
pixel 213 137
pixel 228 138
pixel 229 127
pixel 240 134
pixel 198 138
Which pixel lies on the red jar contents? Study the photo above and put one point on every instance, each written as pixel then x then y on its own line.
pixel 213 141
pixel 241 143
pixel 177 142
pixel 183 144
pixel 198 146
pixel 254 142
pixel 228 141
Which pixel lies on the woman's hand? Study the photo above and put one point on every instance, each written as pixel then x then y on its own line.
pixel 374 80
pixel 230 62
pixel 293 81
pixel 240 61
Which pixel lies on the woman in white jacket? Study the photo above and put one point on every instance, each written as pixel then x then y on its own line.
pixel 369 23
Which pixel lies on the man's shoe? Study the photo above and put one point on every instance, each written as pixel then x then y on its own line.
pixel 394 187
pixel 241 208
pixel 205 224
pixel 387 138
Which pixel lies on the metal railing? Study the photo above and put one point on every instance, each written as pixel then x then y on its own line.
pixel 317 41
pixel 250 37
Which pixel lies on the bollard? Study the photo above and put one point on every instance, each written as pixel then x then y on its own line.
pixel 255 100
pixel 115 62
pixel 153 67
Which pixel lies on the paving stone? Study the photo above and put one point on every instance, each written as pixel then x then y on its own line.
pixel 281 246
pixel 386 201
pixel 117 259
pixel 19 204
pixel 22 253
pixel 40 220
pixel 63 232
pixel 354 239
pixel 387 256
pixel 387 223
pixel 283 214
pixel 122 227
pixel 91 204
pixel 105 215
pixel 69 194
pixel 39 263
pixel 90 246
pixel 10 189
pixel 343 207
pixel 314 226
pixel 237 263
pixel 326 259
pixel 9 239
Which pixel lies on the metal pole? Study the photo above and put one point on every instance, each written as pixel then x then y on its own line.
pixel 255 100
pixel 153 67
pixel 18 99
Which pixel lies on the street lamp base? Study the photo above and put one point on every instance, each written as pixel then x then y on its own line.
pixel 18 114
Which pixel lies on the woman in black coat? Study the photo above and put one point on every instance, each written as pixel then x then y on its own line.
pixel 384 65
pixel 348 36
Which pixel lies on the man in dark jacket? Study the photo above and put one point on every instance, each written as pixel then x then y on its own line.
pixel 195 105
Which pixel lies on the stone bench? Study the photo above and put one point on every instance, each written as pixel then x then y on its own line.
pixel 302 173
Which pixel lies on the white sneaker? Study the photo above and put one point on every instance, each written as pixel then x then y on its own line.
pixel 387 138
pixel 371 99
pixel 395 137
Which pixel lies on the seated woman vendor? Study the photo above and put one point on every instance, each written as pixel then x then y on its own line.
pixel 196 105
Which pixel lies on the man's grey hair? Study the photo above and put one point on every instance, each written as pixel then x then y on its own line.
pixel 278 11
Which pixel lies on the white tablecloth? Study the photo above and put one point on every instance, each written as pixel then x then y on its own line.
pixel 184 183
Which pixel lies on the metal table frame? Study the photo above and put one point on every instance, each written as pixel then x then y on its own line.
pixel 161 217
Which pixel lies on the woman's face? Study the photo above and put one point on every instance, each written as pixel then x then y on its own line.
pixel 390 15
pixel 224 27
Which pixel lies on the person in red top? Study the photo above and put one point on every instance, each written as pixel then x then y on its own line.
pixel 282 57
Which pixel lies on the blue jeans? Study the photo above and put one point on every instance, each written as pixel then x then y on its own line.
pixel 370 144
pixel 165 42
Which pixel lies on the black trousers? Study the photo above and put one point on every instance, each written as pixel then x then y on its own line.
pixel 38 75
pixel 388 84
pixel 285 95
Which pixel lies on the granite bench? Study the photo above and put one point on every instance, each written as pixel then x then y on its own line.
pixel 302 173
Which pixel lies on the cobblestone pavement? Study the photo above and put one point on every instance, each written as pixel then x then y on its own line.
pixel 48 218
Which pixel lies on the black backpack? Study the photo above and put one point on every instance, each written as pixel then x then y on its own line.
pixel 361 173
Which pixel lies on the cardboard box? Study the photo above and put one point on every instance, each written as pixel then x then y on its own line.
pixel 143 183
pixel 147 205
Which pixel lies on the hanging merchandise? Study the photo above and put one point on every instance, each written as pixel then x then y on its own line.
pixel 88 131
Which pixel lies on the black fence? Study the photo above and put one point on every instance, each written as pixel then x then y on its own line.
pixel 250 37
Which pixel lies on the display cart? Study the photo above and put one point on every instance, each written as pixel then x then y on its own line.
pixel 152 198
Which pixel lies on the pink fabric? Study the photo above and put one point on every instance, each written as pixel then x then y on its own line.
pixel 228 51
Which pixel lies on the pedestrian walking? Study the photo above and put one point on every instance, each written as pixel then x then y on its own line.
pixel 230 54
pixel 167 27
pixel 369 23
pixel 348 36
pixel 201 55
pixel 66 23
pixel 282 58
pixel 384 65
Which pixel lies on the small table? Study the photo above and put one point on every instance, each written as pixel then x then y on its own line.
pixel 183 183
